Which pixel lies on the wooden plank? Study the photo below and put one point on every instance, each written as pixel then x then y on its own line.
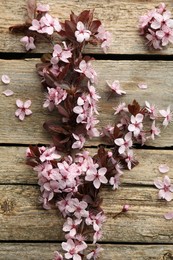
pixel 13 169
pixel 22 218
pixel 26 84
pixel 31 251
pixel 119 17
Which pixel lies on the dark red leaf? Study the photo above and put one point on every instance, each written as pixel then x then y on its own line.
pixel 70 29
pixel 135 108
pixel 62 111
pixel 73 17
pixel 94 26
pixel 31 9
pixel 116 132
pixel 19 28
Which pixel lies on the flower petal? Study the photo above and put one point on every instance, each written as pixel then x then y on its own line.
pixel 8 92
pixel 5 79
pixel 168 215
pixel 27 103
pixel 142 86
pixel 22 116
pixel 159 184
pixel 19 103
pixel 163 168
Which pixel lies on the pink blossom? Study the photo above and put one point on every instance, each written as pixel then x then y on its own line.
pixel 64 204
pixel 23 109
pixel 167 114
pixel 60 54
pixel 97 176
pixel 155 131
pixel 168 215
pixel 8 92
pixel 71 226
pixel 151 110
pixel 73 249
pixel 5 79
pixel 115 87
pixel 129 158
pixel 54 97
pixel 136 124
pixel 163 168
pixel 165 188
pixel 105 38
pixel 82 33
pixel 28 42
pixel 115 181
pixel 97 236
pixel 93 255
pixel 125 143
pixel 79 143
pixel 165 34
pixel 79 208
pixel 120 108
pixel 159 20
pixel 57 256
pixel 96 220
pixel 87 70
pixel 153 39
pixel 42 8
pixel 49 154
pixel 37 26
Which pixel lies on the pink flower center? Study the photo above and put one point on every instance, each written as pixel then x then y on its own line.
pixel 166 188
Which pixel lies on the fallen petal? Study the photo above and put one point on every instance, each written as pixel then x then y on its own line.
pixel 8 92
pixel 168 215
pixel 5 79
pixel 163 168
pixel 142 86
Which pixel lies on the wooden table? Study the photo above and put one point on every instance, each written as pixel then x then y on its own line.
pixel 26 230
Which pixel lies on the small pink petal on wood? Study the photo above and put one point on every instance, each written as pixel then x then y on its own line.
pixel 142 86
pixel 8 92
pixel 5 79
pixel 168 215
pixel 163 168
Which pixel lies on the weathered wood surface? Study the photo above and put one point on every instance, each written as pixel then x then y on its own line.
pixel 13 169
pixel 31 251
pixel 119 17
pixel 22 218
pixel 26 84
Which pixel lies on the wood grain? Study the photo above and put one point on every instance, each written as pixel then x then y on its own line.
pixel 31 251
pixel 119 17
pixel 26 84
pixel 14 170
pixel 22 218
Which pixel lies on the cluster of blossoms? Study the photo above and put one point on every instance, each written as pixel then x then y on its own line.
pixel 157 27
pixel 135 124
pixel 70 178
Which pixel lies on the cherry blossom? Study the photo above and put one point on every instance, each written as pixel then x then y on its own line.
pixel 54 97
pixel 115 87
pixel 82 33
pixel 153 39
pixel 49 154
pixel 155 131
pixel 151 110
pixel 79 143
pixel 23 109
pixel 167 114
pixel 28 42
pixel 97 176
pixel 129 158
pixel 87 69
pixel 120 108
pixel 125 208
pixel 73 249
pixel 71 226
pixel 5 79
pixel 60 54
pixel 8 92
pixel 163 168
pixel 125 143
pixel 78 208
pixel 165 34
pixel 94 253
pixel 105 38
pixel 115 181
pixel 165 188
pixel 136 124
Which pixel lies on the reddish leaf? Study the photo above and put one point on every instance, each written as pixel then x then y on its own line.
pixel 134 109
pixel 62 111
pixel 116 132
pixel 73 17
pixel 31 9
pixel 70 29
pixel 94 26
pixel 19 28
